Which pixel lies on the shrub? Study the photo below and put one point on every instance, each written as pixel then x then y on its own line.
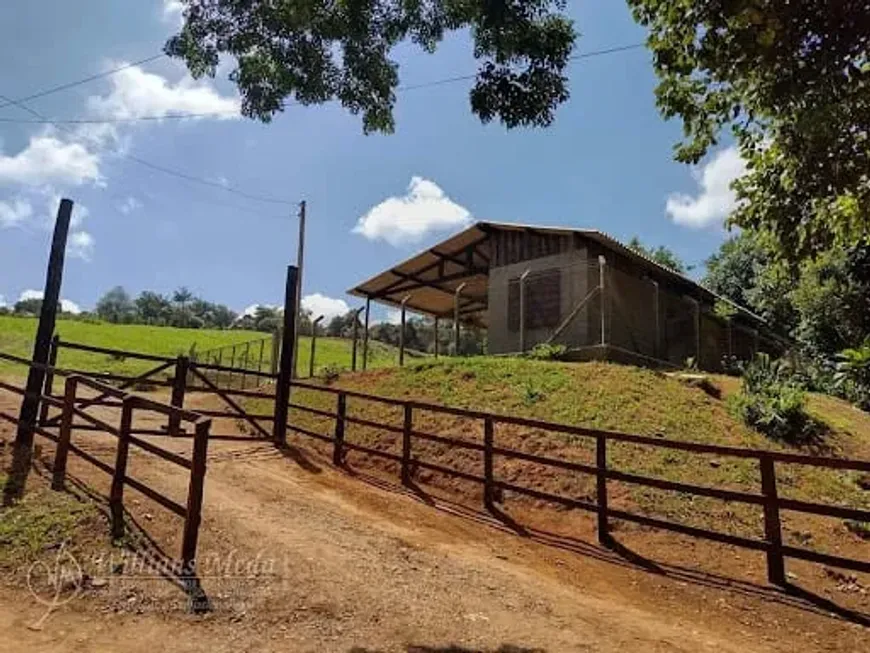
pixel 547 352
pixel 330 373
pixel 852 376
pixel 772 402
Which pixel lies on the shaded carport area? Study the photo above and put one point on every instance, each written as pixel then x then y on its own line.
pixel 449 280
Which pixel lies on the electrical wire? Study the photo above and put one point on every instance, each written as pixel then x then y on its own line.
pixel 224 114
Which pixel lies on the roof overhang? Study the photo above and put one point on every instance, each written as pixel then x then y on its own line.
pixel 429 280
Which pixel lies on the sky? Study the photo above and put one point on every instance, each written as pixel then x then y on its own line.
pixel 373 201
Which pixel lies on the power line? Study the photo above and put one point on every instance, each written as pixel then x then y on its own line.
pixel 223 114
pixel 154 166
pixel 84 80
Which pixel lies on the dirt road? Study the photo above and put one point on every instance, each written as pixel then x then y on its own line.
pixel 346 566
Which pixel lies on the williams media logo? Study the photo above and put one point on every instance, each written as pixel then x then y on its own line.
pixel 55 583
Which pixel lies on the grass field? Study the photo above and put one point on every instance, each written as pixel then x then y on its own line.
pixel 16 337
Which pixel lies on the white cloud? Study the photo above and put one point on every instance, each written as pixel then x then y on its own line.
pixel 136 93
pixel 3 303
pixel 715 198
pixel 129 205
pixel 66 305
pixel 424 209
pixel 47 160
pixel 173 13
pixel 81 245
pixel 15 211
pixel 328 307
pixel 394 316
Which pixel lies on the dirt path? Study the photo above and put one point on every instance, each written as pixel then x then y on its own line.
pixel 349 567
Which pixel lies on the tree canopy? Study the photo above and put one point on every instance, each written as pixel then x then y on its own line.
pixel 312 52
pixel 791 81
pixel 661 255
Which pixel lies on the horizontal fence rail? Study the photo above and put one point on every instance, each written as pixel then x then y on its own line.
pixel 73 406
pixel 766 499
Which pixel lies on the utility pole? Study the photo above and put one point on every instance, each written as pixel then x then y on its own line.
pixel 300 254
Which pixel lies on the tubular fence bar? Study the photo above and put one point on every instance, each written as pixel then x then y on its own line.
pixel 772 545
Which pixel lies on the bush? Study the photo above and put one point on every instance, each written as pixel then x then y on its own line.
pixel 547 352
pixel 852 376
pixel 772 401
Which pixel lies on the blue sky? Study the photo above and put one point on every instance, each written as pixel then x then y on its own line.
pixel 373 200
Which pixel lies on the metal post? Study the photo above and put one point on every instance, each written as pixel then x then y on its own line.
pixel 366 335
pixel 697 331
pixel 402 332
pixel 601 488
pixel 657 349
pixel 182 365
pixel 260 359
pixel 298 306
pixel 232 366
pixel 285 371
pixel 523 278
pixel 355 337
pixel 276 351
pixel 49 378
pixel 772 526
pixel 456 295
pixel 436 337
pixel 36 374
pixel 602 275
pixel 313 341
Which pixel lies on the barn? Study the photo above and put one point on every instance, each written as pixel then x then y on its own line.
pixel 532 285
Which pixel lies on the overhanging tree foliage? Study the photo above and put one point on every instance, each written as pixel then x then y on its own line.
pixel 661 255
pixel 792 82
pixel 313 51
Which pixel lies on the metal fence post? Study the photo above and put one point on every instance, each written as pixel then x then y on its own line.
pixel 523 278
pixel 338 444
pixel 406 444
pixel 48 389
pixel 772 526
pixel 488 479
pixel 116 494
pixel 601 488
pixel 456 294
pixel 402 331
pixel 276 351
pixel 313 346
pixel 287 367
pixel 194 498
pixel 355 338
pixel 179 386
pixel 66 419
pixel 602 277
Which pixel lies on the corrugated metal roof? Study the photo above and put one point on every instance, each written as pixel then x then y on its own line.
pixel 436 298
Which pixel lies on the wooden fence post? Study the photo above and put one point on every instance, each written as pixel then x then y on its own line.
pixel 488 476
pixel 179 387
pixel 772 526
pixel 338 444
pixel 406 444
pixel 49 379
pixel 260 361
pixel 29 412
pixel 285 371
pixel 62 451
pixel 116 494
pixel 601 488
pixel 193 516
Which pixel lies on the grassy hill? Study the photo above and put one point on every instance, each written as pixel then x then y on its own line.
pixel 16 337
pixel 612 397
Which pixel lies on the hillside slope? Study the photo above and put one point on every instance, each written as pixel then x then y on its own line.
pixel 612 397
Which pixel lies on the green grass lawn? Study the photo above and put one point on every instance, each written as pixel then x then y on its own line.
pixel 16 337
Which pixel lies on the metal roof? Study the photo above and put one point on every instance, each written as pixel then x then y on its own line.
pixel 432 276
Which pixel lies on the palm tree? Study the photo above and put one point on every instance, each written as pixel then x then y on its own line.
pixel 182 296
